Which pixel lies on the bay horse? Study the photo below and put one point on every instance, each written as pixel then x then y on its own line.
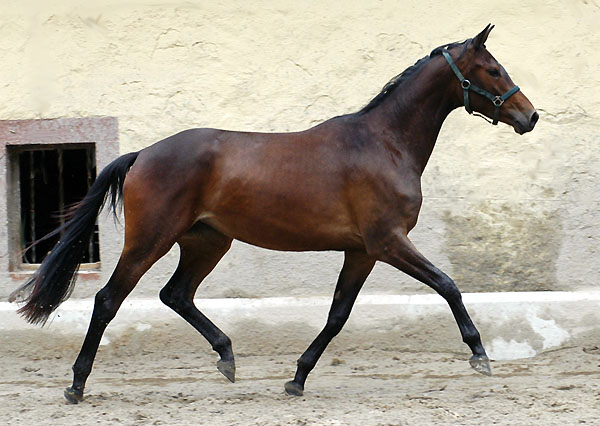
pixel 351 184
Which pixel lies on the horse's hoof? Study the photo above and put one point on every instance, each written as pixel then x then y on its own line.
pixel 293 388
pixel 481 364
pixel 73 396
pixel 227 368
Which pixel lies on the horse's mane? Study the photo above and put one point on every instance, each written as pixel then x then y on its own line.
pixel 404 75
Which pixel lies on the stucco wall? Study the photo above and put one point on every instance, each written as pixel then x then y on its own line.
pixel 501 211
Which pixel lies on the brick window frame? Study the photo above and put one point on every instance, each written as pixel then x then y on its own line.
pixel 102 132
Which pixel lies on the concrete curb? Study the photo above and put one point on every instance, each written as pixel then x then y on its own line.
pixel 517 325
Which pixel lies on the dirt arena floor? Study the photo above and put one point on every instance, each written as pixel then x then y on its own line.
pixel 166 375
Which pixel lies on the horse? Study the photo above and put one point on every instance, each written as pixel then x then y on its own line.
pixel 351 183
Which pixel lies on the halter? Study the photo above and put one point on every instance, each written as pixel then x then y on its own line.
pixel 467 85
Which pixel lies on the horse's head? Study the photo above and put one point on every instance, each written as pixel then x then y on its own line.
pixel 486 87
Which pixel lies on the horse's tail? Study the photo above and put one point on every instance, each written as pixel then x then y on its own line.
pixel 53 282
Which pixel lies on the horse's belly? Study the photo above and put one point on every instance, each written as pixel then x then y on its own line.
pixel 280 233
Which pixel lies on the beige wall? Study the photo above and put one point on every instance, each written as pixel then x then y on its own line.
pixel 501 211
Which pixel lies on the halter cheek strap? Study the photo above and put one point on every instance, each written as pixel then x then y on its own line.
pixel 466 85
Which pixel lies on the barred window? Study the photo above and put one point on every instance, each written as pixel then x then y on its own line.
pixel 49 165
pixel 51 178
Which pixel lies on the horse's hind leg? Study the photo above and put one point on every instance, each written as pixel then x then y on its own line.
pixel 134 262
pixel 356 269
pixel 201 249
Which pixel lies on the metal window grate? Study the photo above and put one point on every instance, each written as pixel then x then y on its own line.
pixel 51 179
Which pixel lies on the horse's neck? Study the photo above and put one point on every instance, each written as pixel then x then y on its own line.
pixel 415 112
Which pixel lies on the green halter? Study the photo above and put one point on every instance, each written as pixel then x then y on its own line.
pixel 466 86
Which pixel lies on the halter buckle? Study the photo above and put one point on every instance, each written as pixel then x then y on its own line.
pixel 465 84
pixel 498 101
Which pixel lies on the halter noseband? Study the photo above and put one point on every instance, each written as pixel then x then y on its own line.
pixel 467 85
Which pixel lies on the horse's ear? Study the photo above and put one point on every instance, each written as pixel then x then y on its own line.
pixel 480 39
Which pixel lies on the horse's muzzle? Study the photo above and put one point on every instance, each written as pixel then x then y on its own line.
pixel 533 120
pixel 525 125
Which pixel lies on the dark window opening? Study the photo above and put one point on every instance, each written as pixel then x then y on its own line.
pixel 52 178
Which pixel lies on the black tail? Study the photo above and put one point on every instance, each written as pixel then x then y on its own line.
pixel 53 282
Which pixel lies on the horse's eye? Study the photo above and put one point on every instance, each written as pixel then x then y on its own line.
pixel 494 72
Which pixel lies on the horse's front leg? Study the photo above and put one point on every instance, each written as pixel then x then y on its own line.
pixel 356 269
pixel 398 251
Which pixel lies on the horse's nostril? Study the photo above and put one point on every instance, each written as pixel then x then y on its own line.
pixel 534 119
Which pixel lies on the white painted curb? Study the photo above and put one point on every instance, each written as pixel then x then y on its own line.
pixel 539 320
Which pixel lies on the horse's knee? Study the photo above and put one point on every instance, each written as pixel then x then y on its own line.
pixel 448 290
pixel 335 323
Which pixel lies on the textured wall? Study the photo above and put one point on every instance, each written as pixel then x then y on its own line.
pixel 501 211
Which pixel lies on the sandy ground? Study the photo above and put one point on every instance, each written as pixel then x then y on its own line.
pixel 167 375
